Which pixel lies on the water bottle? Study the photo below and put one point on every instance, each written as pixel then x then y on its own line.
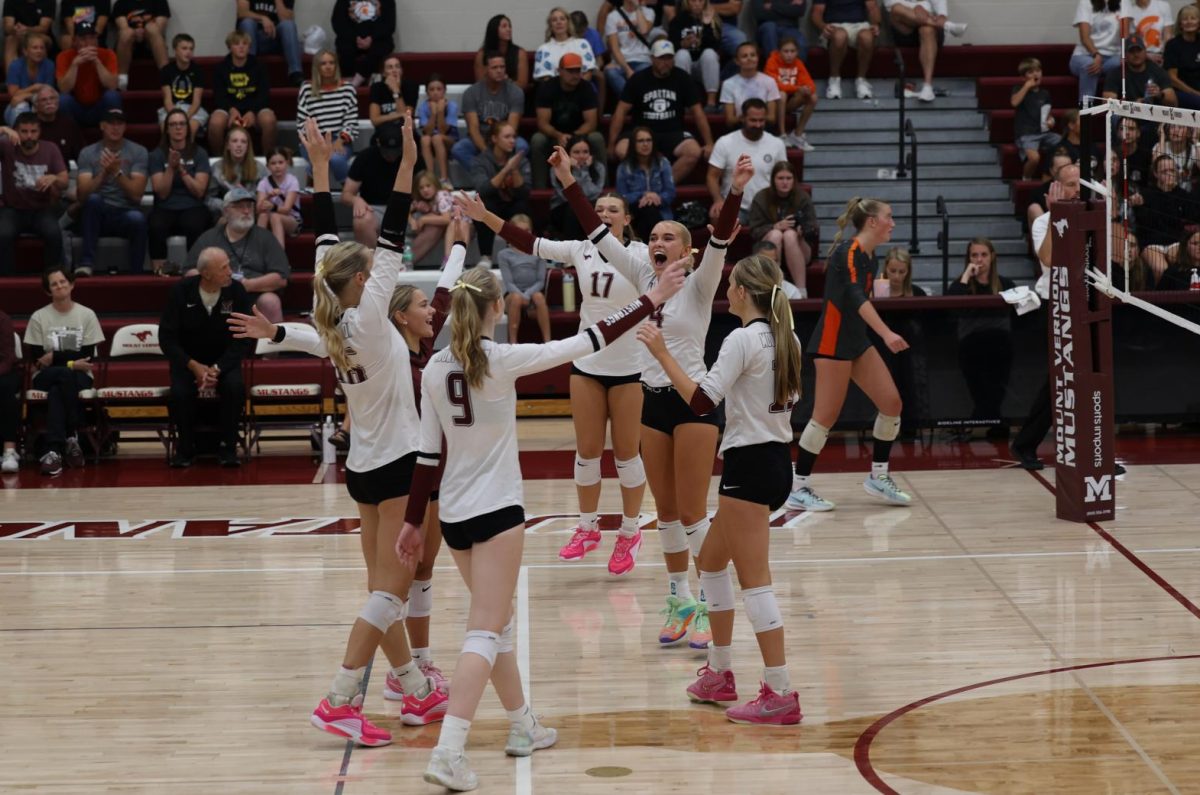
pixel 1150 84
pixel 1195 282
pixel 568 290
pixel 328 451
pixel 408 257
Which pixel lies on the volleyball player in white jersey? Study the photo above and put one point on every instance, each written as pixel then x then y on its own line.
pixel 678 445
pixel 757 374
pixel 469 403
pixel 605 385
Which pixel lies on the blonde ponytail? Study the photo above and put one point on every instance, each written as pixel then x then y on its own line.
pixel 857 211
pixel 338 267
pixel 472 294
pixel 763 281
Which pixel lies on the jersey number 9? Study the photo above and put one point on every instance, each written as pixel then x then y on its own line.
pixel 459 395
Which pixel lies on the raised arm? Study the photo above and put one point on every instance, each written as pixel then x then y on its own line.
pixel 515 236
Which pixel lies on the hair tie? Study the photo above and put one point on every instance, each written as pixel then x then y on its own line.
pixel 791 320
pixel 461 283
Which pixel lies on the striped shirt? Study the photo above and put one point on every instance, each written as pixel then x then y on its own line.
pixel 336 110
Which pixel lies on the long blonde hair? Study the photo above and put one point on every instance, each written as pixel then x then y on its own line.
pixel 316 72
pixel 900 255
pixel 857 211
pixel 338 267
pixel 402 298
pixel 571 33
pixel 763 281
pixel 246 172
pixel 475 291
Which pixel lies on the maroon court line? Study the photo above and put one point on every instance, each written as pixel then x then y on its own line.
pixel 862 748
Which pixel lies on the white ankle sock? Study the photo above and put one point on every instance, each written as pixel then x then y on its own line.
pixel 422 656
pixel 454 734
pixel 679 585
pixel 588 519
pixel 720 658
pixel 777 679
pixel 410 676
pixel 799 482
pixel 522 718
pixel 629 526
pixel 878 469
pixel 347 683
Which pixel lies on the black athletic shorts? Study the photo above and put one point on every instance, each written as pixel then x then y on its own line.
pixel 666 142
pixel 465 534
pixel 608 381
pixel 760 473
pixel 387 482
pixel 663 409
pixel 914 39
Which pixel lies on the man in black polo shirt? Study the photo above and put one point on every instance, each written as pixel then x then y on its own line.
pixel 565 107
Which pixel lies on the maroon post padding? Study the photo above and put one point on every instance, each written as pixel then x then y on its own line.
pixel 1081 365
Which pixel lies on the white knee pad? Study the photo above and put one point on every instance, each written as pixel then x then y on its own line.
pixel 587 471
pixel 762 609
pixel 420 599
pixel 508 641
pixel 696 533
pixel 813 437
pixel 718 590
pixel 631 473
pixel 382 610
pixel 485 644
pixel 886 428
pixel 672 536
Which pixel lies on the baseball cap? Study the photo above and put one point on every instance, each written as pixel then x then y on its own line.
pixel 235 195
pixel 388 138
pixel 571 60
pixel 85 28
pixel 1134 40
pixel 662 49
pixel 114 115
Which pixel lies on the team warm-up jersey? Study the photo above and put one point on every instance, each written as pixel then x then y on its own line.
pixel 744 377
pixel 604 291
pixel 841 333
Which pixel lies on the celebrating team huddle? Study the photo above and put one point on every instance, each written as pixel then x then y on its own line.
pixel 434 452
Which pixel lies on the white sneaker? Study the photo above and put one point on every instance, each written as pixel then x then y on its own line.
pixel 791 141
pixel 451 770
pixel 521 743
pixel 956 29
pixel 926 93
pixel 484 262
pixel 833 89
pixel 884 488
pixel 11 463
pixel 803 144
pixel 803 293
pixel 122 82
pixel 805 499
pixel 862 88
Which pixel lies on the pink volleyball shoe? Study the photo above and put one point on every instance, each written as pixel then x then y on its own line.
pixel 712 687
pixel 348 721
pixel 418 710
pixel 624 554
pixel 769 709
pixel 582 542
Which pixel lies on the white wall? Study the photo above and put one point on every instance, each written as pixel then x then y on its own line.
pixel 455 25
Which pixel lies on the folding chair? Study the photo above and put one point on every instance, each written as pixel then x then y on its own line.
pixel 264 391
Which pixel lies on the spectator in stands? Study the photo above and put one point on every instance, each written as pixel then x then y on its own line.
pixel 1099 47
pixel 562 38
pixel 1134 152
pixel 87 77
pixel 1165 208
pixel 1143 80
pixel 142 26
pixel 182 84
pixel 363 34
pixel 985 349
pixel 1033 123
pixel 57 127
pixel 1122 249
pixel 668 14
pixel 393 95
pixel 334 104
pixel 897 276
pixel 242 92
pixel 923 24
pixel 626 32
pixel 112 178
pixel 798 93
pixel 279 197
pixel 34 177
pixel 1038 203
pixel 782 213
pixel 696 33
pixel 10 384
pixel 752 139
pixel 429 215
pixel 1071 141
pixel 369 183
pixel 72 12
pixel 779 19
pixel 61 338
pixel 238 169
pixel 1152 20
pixel 21 17
pixel 179 175
pixel 1175 142
pixel 501 176
pixel 644 179
pixel 258 261
pixel 749 83
pixel 566 108
pixel 732 36
pixel 1181 58
pixel 590 173
pixel 524 277
pixel 846 24
pixel 659 98
pixel 1175 266
pixel 271 26
pixel 497 37
pixel 491 101
pixel 579 21
pixel 27 75
pixel 437 118
pixel 203 353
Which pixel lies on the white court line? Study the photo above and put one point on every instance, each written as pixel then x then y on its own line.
pixel 524 773
pixel 320 476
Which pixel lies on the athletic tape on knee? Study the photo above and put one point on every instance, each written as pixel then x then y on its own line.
pixel 420 599
pixel 631 473
pixel 508 641
pixel 718 589
pixel 587 471
pixel 672 536
pixel 696 533
pixel 813 437
pixel 762 609
pixel 382 610
pixel 485 644
pixel 886 428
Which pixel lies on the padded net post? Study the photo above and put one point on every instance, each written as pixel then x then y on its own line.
pixel 1081 365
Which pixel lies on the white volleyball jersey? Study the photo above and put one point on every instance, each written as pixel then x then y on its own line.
pixel 685 317
pixel 604 291
pixel 744 377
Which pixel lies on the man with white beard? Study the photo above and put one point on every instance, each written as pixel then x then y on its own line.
pixel 255 256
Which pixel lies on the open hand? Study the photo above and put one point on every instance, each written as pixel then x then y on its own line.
pixel 254 326
pixel 470 205
pixel 670 281
pixel 651 336
pixel 410 546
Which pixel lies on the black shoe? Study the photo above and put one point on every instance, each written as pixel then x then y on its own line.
pixel 296 79
pixel 1118 469
pixel 228 457
pixel 181 461
pixel 1027 459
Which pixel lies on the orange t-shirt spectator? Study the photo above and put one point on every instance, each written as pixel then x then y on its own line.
pixel 790 77
pixel 87 76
